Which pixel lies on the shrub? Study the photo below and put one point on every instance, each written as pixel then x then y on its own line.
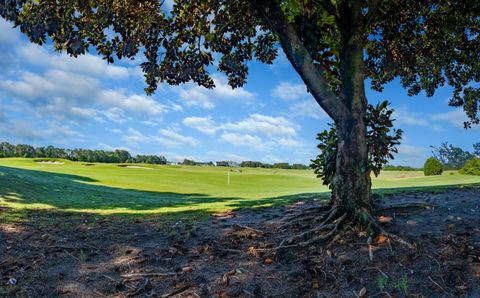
pixel 432 167
pixel 472 167
pixel 382 141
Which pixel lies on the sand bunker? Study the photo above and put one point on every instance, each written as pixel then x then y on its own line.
pixel 138 167
pixel 52 162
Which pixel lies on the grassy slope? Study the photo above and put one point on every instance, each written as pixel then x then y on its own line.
pixel 109 189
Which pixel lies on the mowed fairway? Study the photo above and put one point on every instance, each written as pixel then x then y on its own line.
pixel 111 189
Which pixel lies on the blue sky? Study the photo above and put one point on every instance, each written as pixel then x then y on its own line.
pixel 47 98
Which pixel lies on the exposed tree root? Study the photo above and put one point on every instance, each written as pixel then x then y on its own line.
pixel 306 214
pixel 330 228
pixel 332 225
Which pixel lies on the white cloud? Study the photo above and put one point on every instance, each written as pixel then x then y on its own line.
pixel 114 130
pixel 86 114
pixel 88 64
pixel 112 148
pixel 308 108
pixel 171 138
pixel 61 94
pixel 116 115
pixel 262 124
pixel 131 102
pixel 290 143
pixel 269 126
pixel 151 122
pixel 194 95
pixel 53 86
pixel 133 136
pixel 166 137
pixel 410 155
pixel 244 140
pixel 258 132
pixel 289 91
pixel 7 34
pixel 22 130
pixel 235 157
pixel 203 124
pixel 403 116
pixel 455 118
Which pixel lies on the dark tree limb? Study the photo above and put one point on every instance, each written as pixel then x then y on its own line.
pixel 301 59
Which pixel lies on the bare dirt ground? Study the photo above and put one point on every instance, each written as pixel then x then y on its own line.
pixel 57 254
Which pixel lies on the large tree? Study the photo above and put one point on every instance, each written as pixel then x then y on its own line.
pixel 334 45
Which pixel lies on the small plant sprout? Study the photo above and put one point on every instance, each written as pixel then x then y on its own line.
pixel 402 285
pixel 381 282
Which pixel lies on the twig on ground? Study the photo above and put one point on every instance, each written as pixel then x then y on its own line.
pixel 110 278
pixel 439 286
pixel 381 293
pixel 175 292
pixel 249 228
pixel 98 293
pixel 233 251
pixel 140 288
pixel 153 274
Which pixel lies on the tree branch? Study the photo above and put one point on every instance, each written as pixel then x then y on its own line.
pixel 330 8
pixel 300 58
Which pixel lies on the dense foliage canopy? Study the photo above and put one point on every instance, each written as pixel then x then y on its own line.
pixel 427 44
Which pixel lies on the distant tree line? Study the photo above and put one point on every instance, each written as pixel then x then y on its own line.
pixel 246 164
pixel 190 162
pixel 400 168
pixel 280 165
pixel 84 155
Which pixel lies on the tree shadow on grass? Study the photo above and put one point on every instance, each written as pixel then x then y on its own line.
pixel 32 189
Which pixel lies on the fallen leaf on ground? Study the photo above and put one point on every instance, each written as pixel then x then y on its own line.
pixel 268 261
pixel 362 292
pixel 411 223
pixel 381 239
pixel 225 279
pixel 187 269
pixel 385 219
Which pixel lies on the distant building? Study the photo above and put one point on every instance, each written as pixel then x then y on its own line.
pixel 228 163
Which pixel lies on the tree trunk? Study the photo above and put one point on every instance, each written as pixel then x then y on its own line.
pixel 352 183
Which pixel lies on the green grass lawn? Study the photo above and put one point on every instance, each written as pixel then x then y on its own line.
pixel 109 189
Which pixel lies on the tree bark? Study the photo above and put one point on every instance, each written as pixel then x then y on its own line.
pixel 352 183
